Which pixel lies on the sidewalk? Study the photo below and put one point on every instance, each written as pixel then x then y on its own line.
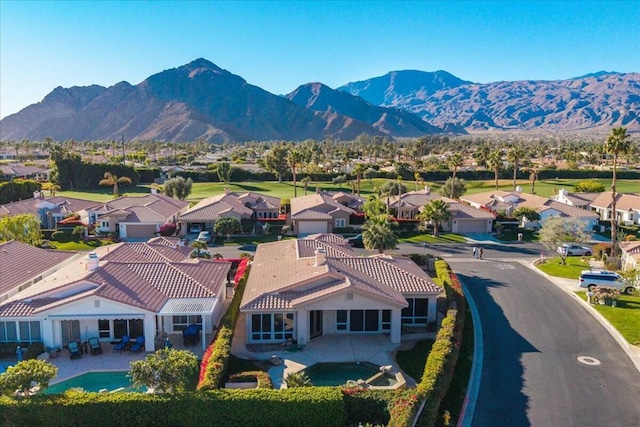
pixel 570 286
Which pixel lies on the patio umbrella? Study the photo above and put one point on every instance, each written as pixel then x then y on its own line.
pixel 19 353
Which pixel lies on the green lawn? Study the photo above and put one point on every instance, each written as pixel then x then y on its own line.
pixel 571 270
pixel 80 245
pixel 512 235
pixel 625 317
pixel 442 238
pixel 412 361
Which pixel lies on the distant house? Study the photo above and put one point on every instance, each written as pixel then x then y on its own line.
pixel 578 200
pixel 305 288
pixel 133 217
pixel 319 213
pixel 48 209
pixel 627 207
pixel 15 170
pixel 407 205
pixel 22 265
pixel 506 202
pixel 134 289
pixel 231 204
pixel 630 256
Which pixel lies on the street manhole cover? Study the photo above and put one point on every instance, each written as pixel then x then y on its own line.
pixel 588 360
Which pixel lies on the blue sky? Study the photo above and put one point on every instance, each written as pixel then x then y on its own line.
pixel 281 45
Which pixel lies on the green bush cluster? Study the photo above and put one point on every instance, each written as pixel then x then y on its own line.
pixel 216 359
pixel 34 350
pixel 362 406
pixel 63 236
pixel 440 364
pixel 600 249
pixel 318 406
pixel 18 189
pixel 261 377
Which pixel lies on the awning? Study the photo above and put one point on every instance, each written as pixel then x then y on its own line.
pixel 186 306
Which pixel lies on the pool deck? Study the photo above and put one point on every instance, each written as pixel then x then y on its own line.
pixel 375 348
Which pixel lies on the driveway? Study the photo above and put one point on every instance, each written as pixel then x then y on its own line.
pixel 534 339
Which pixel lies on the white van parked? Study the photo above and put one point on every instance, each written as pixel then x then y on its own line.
pixel 591 278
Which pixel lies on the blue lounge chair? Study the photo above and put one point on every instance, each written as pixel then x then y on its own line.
pixel 74 350
pixel 94 344
pixel 138 346
pixel 122 345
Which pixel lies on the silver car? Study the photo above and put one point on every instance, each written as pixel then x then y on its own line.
pixel 574 250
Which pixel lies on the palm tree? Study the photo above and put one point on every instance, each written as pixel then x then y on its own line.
pixel 618 144
pixel 305 182
pixel 294 158
pixel 494 161
pixel 436 211
pixel 419 179
pixel 112 180
pixel 359 170
pixel 514 155
pixel 454 162
pixel 377 233
pixel 533 177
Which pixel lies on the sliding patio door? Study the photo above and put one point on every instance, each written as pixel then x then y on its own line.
pixel 70 331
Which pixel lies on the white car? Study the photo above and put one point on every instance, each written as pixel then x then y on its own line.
pixel 591 278
pixel 204 236
pixel 574 250
pixel 196 228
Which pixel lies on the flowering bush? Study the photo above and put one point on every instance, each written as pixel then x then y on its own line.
pixel 603 295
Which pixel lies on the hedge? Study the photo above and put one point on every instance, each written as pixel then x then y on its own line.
pixel 440 364
pixel 18 189
pixel 317 406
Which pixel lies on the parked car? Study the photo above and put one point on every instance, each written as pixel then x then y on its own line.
pixel 591 278
pixel 574 250
pixel 196 228
pixel 356 241
pixel 204 236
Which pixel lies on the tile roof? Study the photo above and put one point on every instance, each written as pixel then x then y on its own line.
pixel 20 262
pixel 412 199
pixel 460 211
pixel 632 247
pixel 316 206
pixel 65 204
pixel 151 208
pixel 147 252
pixel 328 237
pixel 580 199
pixel 624 201
pixel 284 275
pixel 212 208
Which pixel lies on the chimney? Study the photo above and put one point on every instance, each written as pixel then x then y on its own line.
pixel 426 189
pixel 226 190
pixel 36 194
pixel 518 189
pixel 321 256
pixel 154 191
pixel 92 261
pixel 562 193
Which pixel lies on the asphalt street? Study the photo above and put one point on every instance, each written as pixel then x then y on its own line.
pixel 533 337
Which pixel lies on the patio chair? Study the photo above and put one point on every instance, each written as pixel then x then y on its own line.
pixel 74 350
pixel 138 346
pixel 122 345
pixel 94 344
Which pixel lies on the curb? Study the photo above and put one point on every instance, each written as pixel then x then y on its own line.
pixel 473 388
pixel 635 358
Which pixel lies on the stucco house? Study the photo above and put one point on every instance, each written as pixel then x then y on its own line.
pixel 630 255
pixel 578 200
pixel 319 213
pixel 134 289
pixel 48 209
pixel 135 216
pixel 304 288
pixel 627 207
pixel 407 205
pixel 231 204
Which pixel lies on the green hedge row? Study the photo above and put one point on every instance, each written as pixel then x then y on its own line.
pixel 440 364
pixel 18 189
pixel 215 361
pixel 318 406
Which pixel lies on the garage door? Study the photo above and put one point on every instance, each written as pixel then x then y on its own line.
pixel 312 227
pixel 140 230
pixel 477 226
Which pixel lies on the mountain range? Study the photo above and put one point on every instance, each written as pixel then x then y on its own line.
pixel 200 100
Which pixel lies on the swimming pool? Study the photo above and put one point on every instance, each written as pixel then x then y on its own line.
pixel 335 374
pixel 95 381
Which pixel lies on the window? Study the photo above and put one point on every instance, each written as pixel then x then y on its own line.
pixel 70 331
pixel 363 320
pixel 417 313
pixel 104 224
pixel 132 327
pixel 30 331
pixel 272 326
pixel 386 320
pixel 341 320
pixel 341 223
pixel 180 323
pixel 8 332
pixel 104 328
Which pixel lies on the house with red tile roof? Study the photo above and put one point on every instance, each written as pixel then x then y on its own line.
pixel 230 204
pixel 630 254
pixel 305 288
pixel 48 209
pixel 322 212
pixel 627 207
pixel 133 289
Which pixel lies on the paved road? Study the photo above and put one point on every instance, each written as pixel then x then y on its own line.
pixel 534 334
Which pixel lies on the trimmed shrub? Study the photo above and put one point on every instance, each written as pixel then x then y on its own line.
pixel 34 350
pixel 600 249
pixel 261 377
pixel 362 406
pixel 62 236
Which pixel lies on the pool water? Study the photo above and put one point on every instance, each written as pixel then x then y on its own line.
pixel 335 374
pixel 94 381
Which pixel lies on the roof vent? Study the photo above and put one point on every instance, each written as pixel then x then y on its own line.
pixel 92 261
pixel 321 256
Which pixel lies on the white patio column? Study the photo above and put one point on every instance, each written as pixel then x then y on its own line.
pixel 150 332
pixel 302 326
pixel 396 326
pixel 204 331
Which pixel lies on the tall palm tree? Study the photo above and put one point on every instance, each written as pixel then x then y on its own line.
pixel 294 158
pixel 618 144
pixel 494 161
pixel 112 180
pixel 305 182
pixel 534 171
pixel 359 170
pixel 419 179
pixel 436 211
pixel 514 155
pixel 454 162
pixel 377 233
